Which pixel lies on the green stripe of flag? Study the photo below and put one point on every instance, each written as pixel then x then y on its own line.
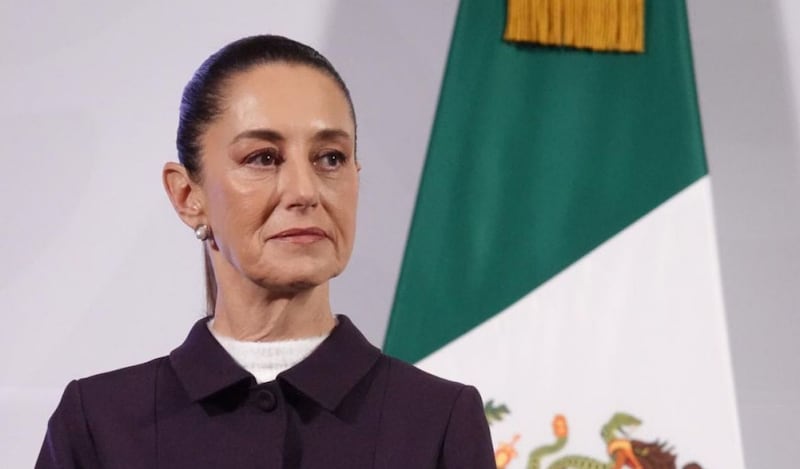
pixel 537 156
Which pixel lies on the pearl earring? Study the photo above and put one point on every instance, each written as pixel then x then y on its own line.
pixel 202 232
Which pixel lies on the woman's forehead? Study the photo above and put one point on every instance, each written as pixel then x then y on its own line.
pixel 283 94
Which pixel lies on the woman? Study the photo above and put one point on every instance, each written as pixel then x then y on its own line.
pixel 268 180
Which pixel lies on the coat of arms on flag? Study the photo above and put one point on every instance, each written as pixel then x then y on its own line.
pixel 622 450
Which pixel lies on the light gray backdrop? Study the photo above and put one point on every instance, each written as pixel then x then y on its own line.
pixel 98 273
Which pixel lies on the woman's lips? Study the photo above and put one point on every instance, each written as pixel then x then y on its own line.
pixel 301 235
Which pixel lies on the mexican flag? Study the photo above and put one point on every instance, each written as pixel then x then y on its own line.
pixel 562 254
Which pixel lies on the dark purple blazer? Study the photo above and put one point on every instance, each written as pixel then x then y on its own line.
pixel 346 405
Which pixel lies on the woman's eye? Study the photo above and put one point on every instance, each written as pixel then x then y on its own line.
pixel 263 158
pixel 330 160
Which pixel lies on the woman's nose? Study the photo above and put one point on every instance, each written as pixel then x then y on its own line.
pixel 298 184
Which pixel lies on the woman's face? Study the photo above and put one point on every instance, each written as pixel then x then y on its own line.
pixel 279 177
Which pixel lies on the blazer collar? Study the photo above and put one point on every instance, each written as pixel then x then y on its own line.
pixel 326 376
pixel 335 366
pixel 203 366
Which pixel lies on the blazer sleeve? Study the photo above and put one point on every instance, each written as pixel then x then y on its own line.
pixel 68 443
pixel 467 441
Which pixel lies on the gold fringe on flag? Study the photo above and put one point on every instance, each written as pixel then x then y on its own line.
pixel 601 25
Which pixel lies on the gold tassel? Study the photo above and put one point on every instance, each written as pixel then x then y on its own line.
pixel 601 25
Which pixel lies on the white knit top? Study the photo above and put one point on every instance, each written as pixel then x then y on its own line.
pixel 265 360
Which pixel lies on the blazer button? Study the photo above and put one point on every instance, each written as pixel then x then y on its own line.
pixel 265 400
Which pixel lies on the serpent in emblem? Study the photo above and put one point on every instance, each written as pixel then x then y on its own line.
pixel 613 434
pixel 623 452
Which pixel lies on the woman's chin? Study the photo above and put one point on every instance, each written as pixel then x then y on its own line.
pixel 295 282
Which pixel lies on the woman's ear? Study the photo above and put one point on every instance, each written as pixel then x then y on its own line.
pixel 186 196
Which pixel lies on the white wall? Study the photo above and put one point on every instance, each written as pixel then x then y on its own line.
pixel 747 62
pixel 98 273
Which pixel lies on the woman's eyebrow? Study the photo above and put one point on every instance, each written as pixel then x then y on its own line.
pixel 275 136
pixel 332 134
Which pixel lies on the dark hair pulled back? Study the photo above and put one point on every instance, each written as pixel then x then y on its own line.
pixel 203 96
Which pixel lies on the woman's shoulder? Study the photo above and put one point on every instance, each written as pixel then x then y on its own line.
pixel 409 376
pixel 127 390
pixel 434 414
pixel 99 411
pixel 129 377
pixel 409 385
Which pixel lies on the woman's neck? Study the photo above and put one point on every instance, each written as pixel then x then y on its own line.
pixel 262 316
